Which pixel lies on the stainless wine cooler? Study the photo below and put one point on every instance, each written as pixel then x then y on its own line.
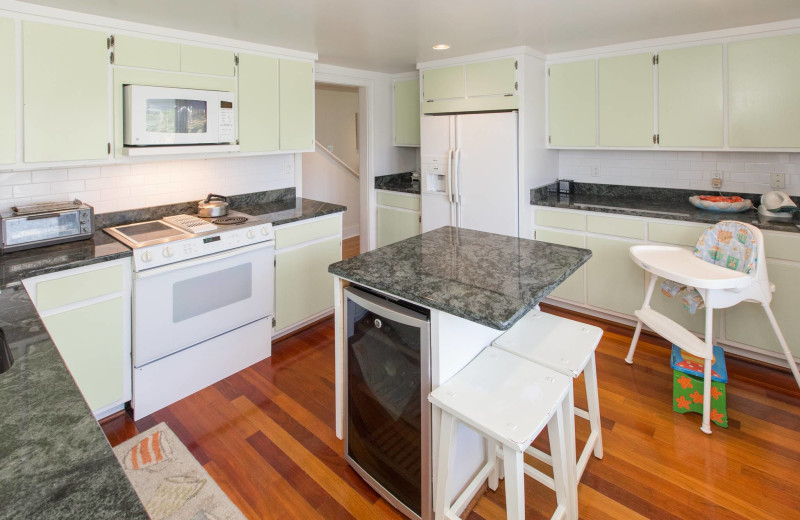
pixel 388 422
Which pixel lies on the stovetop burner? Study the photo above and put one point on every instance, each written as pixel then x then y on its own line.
pixel 227 221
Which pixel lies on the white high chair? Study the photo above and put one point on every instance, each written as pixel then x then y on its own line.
pixel 719 287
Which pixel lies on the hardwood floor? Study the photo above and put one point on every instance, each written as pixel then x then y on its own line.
pixel 351 247
pixel 266 435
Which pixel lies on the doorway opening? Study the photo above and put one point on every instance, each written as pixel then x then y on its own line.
pixel 332 173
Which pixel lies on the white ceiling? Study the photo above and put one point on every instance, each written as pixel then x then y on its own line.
pixel 392 36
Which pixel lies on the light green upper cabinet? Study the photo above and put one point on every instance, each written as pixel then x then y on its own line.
pixel 763 104
pixel 296 105
pixel 8 91
pixel 65 93
pixel 573 104
pixel 626 100
pixel 130 51
pixel 444 83
pixel 690 90
pixel 406 113
pixel 204 60
pixel 258 103
pixel 492 78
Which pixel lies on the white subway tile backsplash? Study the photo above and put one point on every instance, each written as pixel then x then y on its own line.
pixel 747 172
pixel 128 186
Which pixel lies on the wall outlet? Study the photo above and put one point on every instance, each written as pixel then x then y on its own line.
pixel 595 171
pixel 716 180
pixel 330 148
pixel 777 181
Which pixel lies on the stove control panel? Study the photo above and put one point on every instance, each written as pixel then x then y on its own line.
pixel 199 246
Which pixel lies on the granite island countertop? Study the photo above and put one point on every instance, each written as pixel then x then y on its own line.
pixel 489 279
pixel 662 203
pixel 55 461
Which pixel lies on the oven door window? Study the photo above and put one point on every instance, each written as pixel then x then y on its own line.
pixel 177 116
pixel 210 292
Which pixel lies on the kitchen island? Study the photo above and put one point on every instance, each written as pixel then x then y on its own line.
pixel 475 285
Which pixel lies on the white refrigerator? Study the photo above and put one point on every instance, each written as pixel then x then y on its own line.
pixel 470 172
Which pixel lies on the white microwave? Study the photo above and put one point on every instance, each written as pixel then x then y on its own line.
pixel 159 116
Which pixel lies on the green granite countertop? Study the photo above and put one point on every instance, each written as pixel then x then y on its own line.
pixel 55 461
pixel 489 279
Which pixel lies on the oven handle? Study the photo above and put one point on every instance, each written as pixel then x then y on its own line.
pixel 204 259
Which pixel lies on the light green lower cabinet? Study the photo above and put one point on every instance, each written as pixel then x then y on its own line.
pixel 90 339
pixel 614 281
pixel 396 224
pixel 8 91
pixel 747 322
pixel 303 286
pixel 574 287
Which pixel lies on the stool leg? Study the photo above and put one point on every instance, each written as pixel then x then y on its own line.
pixel 782 341
pixel 447 439
pixel 515 483
pixel 562 449
pixel 491 453
pixel 593 398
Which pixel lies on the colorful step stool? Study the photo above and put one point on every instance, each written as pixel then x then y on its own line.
pixel 687 384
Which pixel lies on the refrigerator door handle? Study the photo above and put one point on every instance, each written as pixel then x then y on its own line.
pixel 457 183
pixel 449 175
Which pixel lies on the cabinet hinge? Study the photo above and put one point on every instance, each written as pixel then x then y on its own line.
pixel 534 235
pixel 236 59
pixel 111 58
pixel 548 72
pixel 516 65
pixel 656 138
pixel 516 85
pixel 109 148
pixel 655 59
pixel 110 42
pixel 273 321
pixel 549 139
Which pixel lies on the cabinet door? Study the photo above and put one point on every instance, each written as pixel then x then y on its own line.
pixel 747 323
pixel 65 89
pixel 296 105
pixel 130 51
pixel 396 224
pixel 690 85
pixel 573 288
pixel 573 104
pixel 763 105
pixel 626 100
pixel 406 113
pixel 444 83
pixel 492 78
pixel 94 358
pixel 613 280
pixel 303 286
pixel 8 91
pixel 258 103
pixel 204 60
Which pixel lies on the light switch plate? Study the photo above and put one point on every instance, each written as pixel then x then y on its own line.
pixel 777 181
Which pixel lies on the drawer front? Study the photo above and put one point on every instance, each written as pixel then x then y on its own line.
pixel 679 235
pixel 619 227
pixel 79 287
pixel 782 247
pixel 306 232
pixel 396 200
pixel 561 219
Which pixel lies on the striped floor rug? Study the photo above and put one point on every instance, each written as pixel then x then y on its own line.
pixel 170 482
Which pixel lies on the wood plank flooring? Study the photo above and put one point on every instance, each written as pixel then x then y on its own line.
pixel 351 247
pixel 266 435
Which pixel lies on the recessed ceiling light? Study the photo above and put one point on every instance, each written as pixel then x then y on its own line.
pixel 441 47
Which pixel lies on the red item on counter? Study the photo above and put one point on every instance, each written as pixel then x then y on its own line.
pixel 720 198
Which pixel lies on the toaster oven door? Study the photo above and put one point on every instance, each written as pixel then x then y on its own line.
pixel 37 228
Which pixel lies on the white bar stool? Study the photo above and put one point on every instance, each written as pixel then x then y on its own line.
pixel 509 401
pixel 565 346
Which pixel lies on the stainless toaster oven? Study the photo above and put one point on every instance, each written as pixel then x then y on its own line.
pixel 45 224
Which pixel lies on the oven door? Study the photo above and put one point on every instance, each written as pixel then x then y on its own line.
pixel 180 305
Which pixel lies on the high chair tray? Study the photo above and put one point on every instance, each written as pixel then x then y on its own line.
pixel 680 265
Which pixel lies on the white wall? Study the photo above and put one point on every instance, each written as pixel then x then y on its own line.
pixel 324 179
pixel 128 186
pixel 335 125
pixel 747 172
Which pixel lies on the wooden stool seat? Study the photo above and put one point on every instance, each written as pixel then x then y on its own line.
pixel 509 401
pixel 565 346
